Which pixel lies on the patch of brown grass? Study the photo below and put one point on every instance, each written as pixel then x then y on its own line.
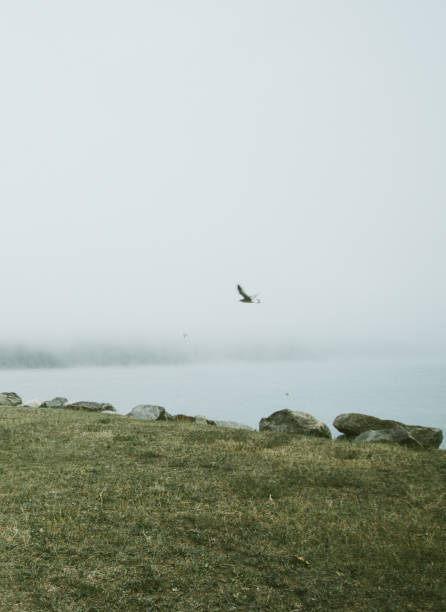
pixel 103 513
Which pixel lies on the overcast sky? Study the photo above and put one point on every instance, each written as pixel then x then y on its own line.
pixel 156 153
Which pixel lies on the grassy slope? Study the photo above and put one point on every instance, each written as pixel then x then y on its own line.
pixel 101 512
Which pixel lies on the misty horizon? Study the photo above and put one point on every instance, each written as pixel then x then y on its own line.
pixel 19 355
pixel 156 155
pixel 104 354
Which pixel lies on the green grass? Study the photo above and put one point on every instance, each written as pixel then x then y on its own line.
pixel 100 512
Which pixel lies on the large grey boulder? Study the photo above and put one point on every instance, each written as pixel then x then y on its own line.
pixel 352 424
pixel 56 402
pixel 396 434
pixel 90 406
pixel 429 437
pixel 9 398
pixel 291 421
pixel 147 412
pixel 233 425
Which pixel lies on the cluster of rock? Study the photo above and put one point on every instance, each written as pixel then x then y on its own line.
pixel 353 426
pixel 362 427
pixel 62 402
pixel 147 412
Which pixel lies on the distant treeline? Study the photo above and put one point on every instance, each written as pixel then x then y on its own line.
pixel 28 357
pixel 19 357
pixel 104 354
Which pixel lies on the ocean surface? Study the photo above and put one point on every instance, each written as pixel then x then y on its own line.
pixel 410 391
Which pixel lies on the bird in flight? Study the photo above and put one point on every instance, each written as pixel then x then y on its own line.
pixel 248 299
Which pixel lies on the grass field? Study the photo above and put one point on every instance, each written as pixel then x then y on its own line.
pixel 102 512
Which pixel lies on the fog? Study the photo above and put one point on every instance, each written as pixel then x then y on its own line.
pixel 155 154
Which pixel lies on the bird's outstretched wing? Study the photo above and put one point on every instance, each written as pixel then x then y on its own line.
pixel 242 293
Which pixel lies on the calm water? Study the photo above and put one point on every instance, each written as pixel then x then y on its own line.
pixel 410 391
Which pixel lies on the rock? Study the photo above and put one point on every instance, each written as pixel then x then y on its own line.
pixel 184 417
pixel 90 406
pixel 199 419
pixel 395 434
pixel 429 437
pixel 202 420
pixel 9 398
pixel 34 403
pixel 353 424
pixel 233 425
pixel 291 421
pixel 56 402
pixel 147 412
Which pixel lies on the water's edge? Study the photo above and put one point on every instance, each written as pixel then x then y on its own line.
pixel 411 392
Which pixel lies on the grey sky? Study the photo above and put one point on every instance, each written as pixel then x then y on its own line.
pixel 155 153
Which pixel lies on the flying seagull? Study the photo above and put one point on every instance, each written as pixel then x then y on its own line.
pixel 248 299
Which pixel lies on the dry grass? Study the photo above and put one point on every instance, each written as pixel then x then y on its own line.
pixel 99 512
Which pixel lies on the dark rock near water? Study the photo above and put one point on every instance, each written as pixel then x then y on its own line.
pixel 429 437
pixel 9 398
pixel 90 406
pixel 148 412
pixel 353 424
pixel 396 434
pixel 290 421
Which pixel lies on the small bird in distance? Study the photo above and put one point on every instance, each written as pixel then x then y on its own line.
pixel 248 299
